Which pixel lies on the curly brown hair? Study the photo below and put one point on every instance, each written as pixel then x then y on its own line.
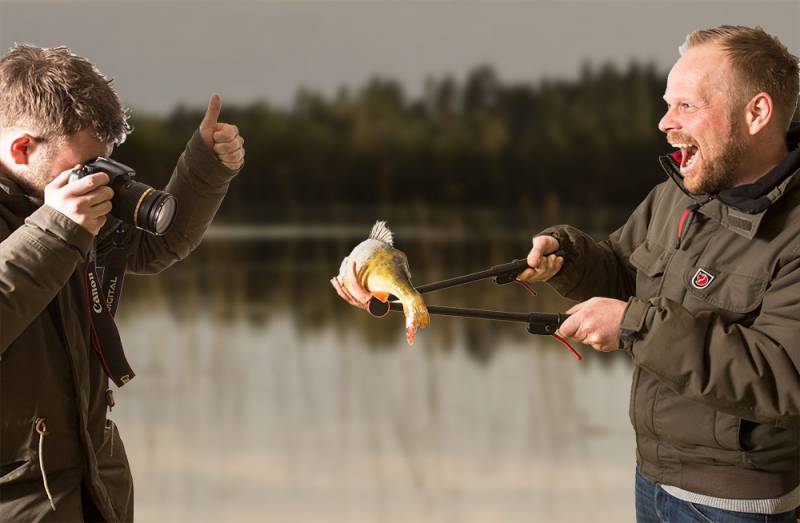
pixel 58 94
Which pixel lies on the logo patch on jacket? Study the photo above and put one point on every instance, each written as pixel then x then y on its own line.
pixel 702 279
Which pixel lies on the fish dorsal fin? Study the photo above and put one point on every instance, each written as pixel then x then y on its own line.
pixel 381 233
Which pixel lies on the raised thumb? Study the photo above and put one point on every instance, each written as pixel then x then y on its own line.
pixel 209 122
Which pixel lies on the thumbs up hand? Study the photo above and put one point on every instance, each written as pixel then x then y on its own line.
pixel 222 138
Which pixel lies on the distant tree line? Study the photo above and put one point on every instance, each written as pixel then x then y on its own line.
pixel 592 141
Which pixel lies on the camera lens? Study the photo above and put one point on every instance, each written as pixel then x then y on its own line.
pixel 161 211
pixel 146 208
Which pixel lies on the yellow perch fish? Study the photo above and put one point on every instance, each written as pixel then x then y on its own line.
pixel 382 270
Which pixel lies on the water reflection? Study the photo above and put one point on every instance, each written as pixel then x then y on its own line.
pixel 260 396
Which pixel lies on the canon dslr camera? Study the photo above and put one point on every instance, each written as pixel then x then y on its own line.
pixel 135 203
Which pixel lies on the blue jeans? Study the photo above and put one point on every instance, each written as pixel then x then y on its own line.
pixel 654 505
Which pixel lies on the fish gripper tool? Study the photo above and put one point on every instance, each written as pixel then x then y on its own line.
pixel 538 323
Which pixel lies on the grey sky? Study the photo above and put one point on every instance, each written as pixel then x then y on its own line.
pixel 165 53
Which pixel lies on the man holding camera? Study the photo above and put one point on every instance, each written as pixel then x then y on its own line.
pixel 60 458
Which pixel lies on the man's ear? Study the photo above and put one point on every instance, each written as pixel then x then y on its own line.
pixel 759 112
pixel 21 148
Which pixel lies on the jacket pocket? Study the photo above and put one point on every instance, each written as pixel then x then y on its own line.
pixel 632 397
pixel 11 471
pixel 690 423
pixel 769 447
pixel 115 472
pixel 724 290
pixel 726 431
pixel 650 260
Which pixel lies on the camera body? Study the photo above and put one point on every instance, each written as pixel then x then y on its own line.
pixel 135 203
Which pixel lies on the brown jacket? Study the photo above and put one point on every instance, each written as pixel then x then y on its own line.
pixel 48 369
pixel 713 325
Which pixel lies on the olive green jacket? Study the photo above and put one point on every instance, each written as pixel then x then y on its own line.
pixel 48 369
pixel 713 325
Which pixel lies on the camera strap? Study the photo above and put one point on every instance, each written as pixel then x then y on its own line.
pixel 103 300
pixel 113 277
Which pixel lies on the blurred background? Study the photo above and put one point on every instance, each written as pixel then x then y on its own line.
pixel 468 126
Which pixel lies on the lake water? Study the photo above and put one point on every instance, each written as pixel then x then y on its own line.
pixel 260 396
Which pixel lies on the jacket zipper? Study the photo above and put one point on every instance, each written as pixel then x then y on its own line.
pixel 686 220
pixel 683 226
pixel 58 316
pixel 687 217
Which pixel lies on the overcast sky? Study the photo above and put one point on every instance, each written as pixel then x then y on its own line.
pixel 164 53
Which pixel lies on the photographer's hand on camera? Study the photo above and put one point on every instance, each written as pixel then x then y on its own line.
pixel 222 138
pixel 86 202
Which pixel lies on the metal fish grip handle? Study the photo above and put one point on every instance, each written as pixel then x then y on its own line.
pixel 502 274
pixel 538 323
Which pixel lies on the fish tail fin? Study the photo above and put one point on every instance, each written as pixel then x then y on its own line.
pixel 417 316
pixel 381 233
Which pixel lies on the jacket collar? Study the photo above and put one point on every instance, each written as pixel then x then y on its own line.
pixel 12 195
pixel 741 209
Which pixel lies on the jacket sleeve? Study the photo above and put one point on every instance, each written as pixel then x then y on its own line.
pixel 602 268
pixel 36 261
pixel 199 183
pixel 750 372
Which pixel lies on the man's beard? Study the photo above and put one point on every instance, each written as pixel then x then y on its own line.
pixel 720 172
pixel 33 182
pixel 38 175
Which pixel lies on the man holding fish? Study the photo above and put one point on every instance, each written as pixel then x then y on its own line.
pixel 702 287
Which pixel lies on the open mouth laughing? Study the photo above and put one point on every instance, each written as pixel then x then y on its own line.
pixel 686 156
